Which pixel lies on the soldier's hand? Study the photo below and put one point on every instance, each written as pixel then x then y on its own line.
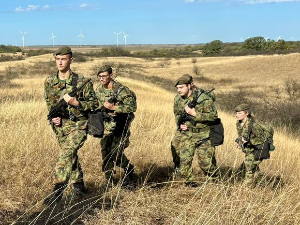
pixel 190 111
pixel 71 100
pixel 183 127
pixel 56 121
pixel 110 106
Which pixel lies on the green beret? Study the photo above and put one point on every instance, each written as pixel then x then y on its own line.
pixel 189 77
pixel 104 68
pixel 184 79
pixel 242 107
pixel 63 51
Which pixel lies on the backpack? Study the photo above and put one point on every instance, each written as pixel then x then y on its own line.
pixel 262 151
pixel 216 127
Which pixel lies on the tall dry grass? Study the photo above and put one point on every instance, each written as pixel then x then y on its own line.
pixel 29 151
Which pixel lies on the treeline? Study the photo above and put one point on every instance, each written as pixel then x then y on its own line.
pixel 251 46
pixel 9 49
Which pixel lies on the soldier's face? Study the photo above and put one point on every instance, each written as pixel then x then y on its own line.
pixel 63 62
pixel 105 77
pixel 241 115
pixel 183 89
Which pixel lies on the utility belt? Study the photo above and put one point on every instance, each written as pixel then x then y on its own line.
pixel 198 130
pixel 74 118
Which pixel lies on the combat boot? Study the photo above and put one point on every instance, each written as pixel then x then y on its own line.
pixel 128 172
pixel 79 190
pixel 129 176
pixel 110 181
pixel 56 194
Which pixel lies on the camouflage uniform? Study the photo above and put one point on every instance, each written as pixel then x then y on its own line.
pixel 257 137
pixel 117 127
pixel 72 133
pixel 196 138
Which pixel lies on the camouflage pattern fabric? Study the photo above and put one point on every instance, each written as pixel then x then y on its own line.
pixel 196 138
pixel 117 128
pixel 71 134
pixel 257 137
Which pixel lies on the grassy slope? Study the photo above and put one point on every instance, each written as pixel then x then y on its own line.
pixel 29 150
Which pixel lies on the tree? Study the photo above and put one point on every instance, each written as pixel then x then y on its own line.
pixel 213 48
pixel 254 43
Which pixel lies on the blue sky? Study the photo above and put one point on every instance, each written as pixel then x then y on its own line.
pixel 147 22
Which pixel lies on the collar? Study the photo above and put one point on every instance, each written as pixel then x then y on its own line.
pixel 68 80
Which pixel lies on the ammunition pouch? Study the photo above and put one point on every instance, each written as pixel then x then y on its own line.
pixel 262 151
pixel 216 132
pixel 96 124
pixel 198 130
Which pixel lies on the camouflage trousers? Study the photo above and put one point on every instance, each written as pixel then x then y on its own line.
pixel 68 168
pixel 185 149
pixel 175 150
pixel 112 149
pixel 251 166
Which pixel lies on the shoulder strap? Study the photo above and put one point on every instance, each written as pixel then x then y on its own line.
pixel 74 80
pixel 118 87
pixel 250 126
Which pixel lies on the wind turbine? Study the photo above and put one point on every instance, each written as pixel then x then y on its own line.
pixel 279 38
pixel 117 37
pixel 125 36
pixel 292 38
pixel 23 37
pixel 81 36
pixel 52 38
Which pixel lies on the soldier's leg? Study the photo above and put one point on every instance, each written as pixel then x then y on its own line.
pixel 107 156
pixel 175 143
pixel 187 151
pixel 206 159
pixel 251 167
pixel 68 166
pixel 120 143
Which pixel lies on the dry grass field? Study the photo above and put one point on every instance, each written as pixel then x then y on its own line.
pixel 29 151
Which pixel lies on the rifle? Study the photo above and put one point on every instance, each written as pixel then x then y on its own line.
pixel 184 117
pixel 242 144
pixel 60 109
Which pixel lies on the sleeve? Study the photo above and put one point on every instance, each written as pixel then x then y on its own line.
pixel 88 102
pixel 176 111
pixel 46 93
pixel 206 110
pixel 126 102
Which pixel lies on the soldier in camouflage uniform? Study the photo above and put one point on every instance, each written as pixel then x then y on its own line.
pixel 120 104
pixel 250 166
pixel 71 130
pixel 177 137
pixel 192 136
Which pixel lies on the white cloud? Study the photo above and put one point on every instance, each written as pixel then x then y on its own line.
pixel 252 2
pixel 83 5
pixel 29 8
pixel 46 7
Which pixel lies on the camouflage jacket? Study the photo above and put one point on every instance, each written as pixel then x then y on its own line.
pixel 125 103
pixel 54 89
pixel 205 109
pixel 257 135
